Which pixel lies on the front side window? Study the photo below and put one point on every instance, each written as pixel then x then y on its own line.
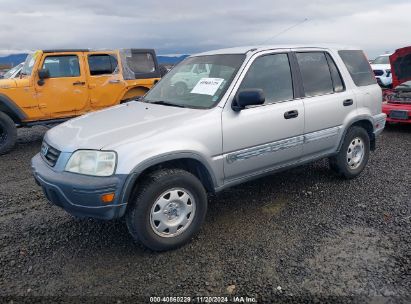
pixel 102 64
pixel 358 67
pixel 315 73
pixel 62 66
pixel 272 74
pixel 196 82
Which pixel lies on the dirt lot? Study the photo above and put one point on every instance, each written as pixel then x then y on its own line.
pixel 299 233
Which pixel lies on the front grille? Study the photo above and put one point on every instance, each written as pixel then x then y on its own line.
pixel 49 154
pixel 378 72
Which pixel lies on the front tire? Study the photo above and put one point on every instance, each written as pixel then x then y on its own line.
pixel 8 133
pixel 353 155
pixel 167 210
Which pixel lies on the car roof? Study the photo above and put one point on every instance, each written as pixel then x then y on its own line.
pixel 259 48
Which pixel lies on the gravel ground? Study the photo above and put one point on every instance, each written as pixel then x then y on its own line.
pixel 295 235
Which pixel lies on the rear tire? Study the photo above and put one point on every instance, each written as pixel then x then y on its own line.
pixel 353 155
pixel 168 209
pixel 8 133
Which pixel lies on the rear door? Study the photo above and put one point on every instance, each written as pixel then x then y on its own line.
pixel 65 92
pixel 104 79
pixel 327 101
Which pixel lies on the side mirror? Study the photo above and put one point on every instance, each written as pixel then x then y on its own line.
pixel 248 97
pixel 43 74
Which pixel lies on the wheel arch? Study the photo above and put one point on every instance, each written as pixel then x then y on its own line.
pixel 134 92
pixel 365 123
pixel 190 162
pixel 8 107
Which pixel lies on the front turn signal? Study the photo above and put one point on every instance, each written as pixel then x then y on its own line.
pixel 107 198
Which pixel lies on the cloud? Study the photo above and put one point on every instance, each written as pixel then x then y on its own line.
pixel 192 26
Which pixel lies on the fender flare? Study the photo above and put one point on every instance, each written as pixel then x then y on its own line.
pixel 139 169
pixel 9 107
pixel 351 123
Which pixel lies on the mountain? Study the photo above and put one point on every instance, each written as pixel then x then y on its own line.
pixel 12 60
pixel 164 59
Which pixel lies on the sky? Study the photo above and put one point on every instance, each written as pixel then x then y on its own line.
pixel 189 26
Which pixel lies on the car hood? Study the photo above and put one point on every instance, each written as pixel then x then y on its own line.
pixel 134 121
pixel 401 66
pixel 7 83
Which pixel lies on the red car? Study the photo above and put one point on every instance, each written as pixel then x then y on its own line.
pixel 397 101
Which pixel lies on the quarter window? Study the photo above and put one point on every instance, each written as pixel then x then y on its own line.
pixel 315 73
pixel 62 66
pixel 272 74
pixel 101 64
pixel 141 63
pixel 358 67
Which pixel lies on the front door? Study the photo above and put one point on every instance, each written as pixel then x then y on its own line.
pixel 65 92
pixel 262 138
pixel 104 79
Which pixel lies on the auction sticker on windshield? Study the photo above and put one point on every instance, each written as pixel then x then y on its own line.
pixel 207 86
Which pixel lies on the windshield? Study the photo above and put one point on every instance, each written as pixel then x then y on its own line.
pixel 197 82
pixel 29 63
pixel 382 60
pixel 11 72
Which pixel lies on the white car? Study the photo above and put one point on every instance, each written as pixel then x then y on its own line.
pixel 382 70
pixel 189 77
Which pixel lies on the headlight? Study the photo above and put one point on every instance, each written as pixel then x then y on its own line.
pixel 88 162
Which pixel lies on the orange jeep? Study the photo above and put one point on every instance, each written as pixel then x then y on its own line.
pixel 56 85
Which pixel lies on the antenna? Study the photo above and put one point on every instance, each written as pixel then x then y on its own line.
pixel 285 30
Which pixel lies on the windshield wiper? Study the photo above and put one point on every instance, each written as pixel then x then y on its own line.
pixel 165 103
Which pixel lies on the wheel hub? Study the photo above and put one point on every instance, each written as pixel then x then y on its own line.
pixel 355 153
pixel 172 212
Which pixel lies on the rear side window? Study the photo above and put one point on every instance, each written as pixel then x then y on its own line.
pixel 141 63
pixel 101 64
pixel 272 74
pixel 62 66
pixel 358 67
pixel 315 73
pixel 335 75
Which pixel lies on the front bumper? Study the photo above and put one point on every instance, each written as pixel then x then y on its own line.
pixel 384 80
pixel 79 194
pixel 387 108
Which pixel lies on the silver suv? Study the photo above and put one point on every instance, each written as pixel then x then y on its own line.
pixel 258 110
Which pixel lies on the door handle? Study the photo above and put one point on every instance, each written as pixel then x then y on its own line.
pixel 291 114
pixel 114 81
pixel 79 83
pixel 348 102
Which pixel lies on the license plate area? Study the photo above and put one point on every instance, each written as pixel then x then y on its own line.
pixel 398 114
